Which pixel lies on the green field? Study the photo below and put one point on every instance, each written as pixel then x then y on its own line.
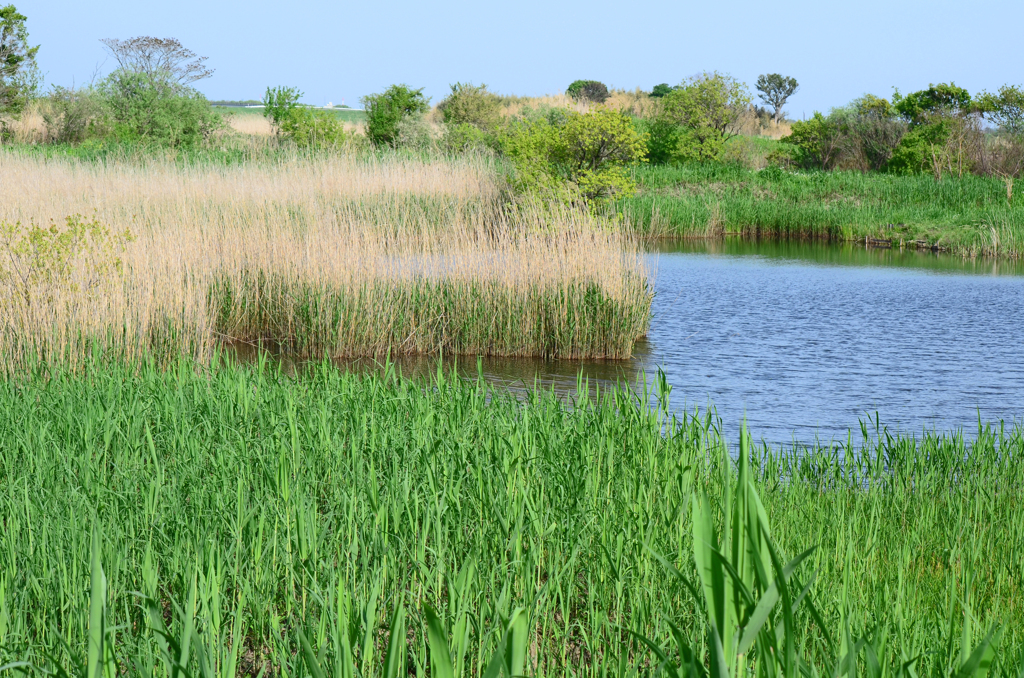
pixel 343 114
pixel 206 519
pixel 967 215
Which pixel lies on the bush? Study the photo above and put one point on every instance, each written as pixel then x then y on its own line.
pixel 278 104
pixel 415 132
pixel 588 90
pixel 313 128
pixel 386 110
pixel 155 109
pixel 471 105
pixel 73 115
pixel 662 140
pixel 875 131
pixel 818 142
pixel 586 155
pixel 463 137
pixel 944 132
pixel 705 108
pixel 307 127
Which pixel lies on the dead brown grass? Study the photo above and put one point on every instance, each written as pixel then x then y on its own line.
pixel 335 256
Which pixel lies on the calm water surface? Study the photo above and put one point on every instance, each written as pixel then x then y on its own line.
pixel 806 340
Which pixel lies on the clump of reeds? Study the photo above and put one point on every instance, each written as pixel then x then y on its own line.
pixel 216 515
pixel 330 256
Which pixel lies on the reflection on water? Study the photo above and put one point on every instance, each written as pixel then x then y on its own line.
pixel 805 339
pixel 841 254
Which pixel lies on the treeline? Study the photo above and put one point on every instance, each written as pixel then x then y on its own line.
pixel 580 150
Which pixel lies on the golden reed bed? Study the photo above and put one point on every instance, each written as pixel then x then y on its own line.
pixel 335 256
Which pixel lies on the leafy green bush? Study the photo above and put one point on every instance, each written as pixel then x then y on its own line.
pixel 278 104
pixel 818 142
pixel 463 137
pixel 588 90
pixel 307 127
pixel 662 139
pixel 471 105
pixel 705 108
pixel 156 109
pixel 386 110
pixel 41 260
pixel 586 154
pixel 944 131
pixel 73 115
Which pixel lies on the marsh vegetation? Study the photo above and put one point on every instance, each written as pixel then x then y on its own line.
pixel 167 513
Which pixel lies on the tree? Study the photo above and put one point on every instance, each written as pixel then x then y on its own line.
pixel 149 95
pixel 588 90
pixel 1005 109
pixel 775 90
pixel 385 111
pixel 706 107
pixel 661 90
pixel 942 100
pixel 19 76
pixel 158 59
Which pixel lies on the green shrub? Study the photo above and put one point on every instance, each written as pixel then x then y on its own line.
pixel 705 108
pixel 588 90
pixel 916 151
pixel 278 104
pixel 529 144
pixel 156 109
pixel 307 127
pixel 73 115
pixel 586 154
pixel 463 137
pixel 313 128
pixel 386 110
pixel 471 105
pixel 818 142
pixel 662 140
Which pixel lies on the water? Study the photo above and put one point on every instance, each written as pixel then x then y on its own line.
pixel 807 339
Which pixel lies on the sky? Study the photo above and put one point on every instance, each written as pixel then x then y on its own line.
pixel 339 51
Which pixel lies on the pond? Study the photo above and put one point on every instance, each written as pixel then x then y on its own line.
pixel 808 339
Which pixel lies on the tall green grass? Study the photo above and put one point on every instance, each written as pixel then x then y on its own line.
pixel 969 215
pixel 193 522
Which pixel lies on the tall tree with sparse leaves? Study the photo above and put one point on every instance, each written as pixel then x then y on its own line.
pixel 774 90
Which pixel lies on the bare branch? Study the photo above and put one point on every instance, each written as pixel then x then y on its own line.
pixel 158 57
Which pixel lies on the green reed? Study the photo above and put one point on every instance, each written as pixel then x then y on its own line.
pixel 234 521
pixel 969 215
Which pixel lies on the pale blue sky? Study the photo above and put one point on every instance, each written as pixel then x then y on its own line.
pixel 343 50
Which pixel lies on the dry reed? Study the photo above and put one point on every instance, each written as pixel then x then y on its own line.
pixel 328 256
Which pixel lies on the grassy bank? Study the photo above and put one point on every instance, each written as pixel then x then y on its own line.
pixel 330 255
pixel 262 506
pixel 968 215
